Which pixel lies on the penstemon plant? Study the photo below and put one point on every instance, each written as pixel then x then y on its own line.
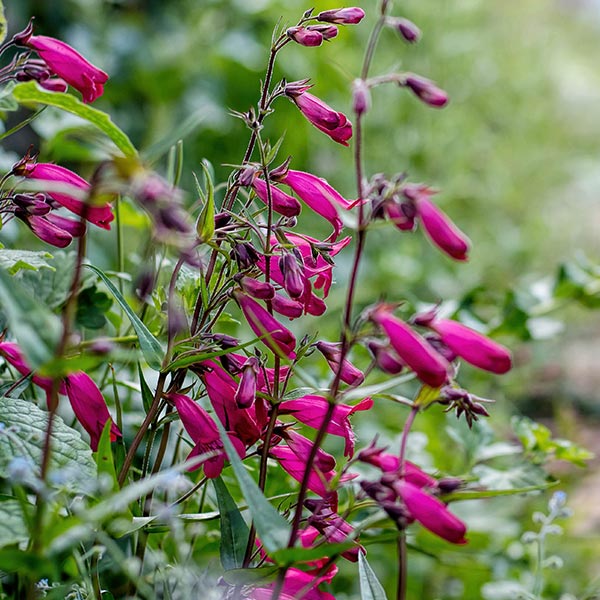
pixel 90 519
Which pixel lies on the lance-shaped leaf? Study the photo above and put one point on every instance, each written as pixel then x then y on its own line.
pixel 205 227
pixel 370 588
pixel 151 348
pixel 273 530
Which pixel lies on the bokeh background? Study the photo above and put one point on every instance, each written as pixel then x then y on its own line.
pixel 515 156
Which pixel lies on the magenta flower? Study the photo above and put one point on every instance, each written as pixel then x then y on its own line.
pixel 342 16
pixel 407 29
pixel 441 230
pixel 89 407
pixel 291 309
pixel 293 458
pixel 282 203
pixel 385 357
pixel 348 373
pixel 246 391
pixel 472 346
pixel 305 36
pixel 272 333
pixel 430 366
pixel 294 279
pixel 426 91
pixel 311 411
pixel 257 289
pixel 68 64
pixel 318 195
pixel 335 529
pixel 297 584
pixel 205 435
pixel 334 124
pixel 98 215
pixel 45 230
pixel 431 513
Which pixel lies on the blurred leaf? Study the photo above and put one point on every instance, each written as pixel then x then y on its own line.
pixel 250 576
pixel 91 308
pixel 29 564
pixel 289 556
pixel 477 494
pixel 149 345
pixel 370 588
pixel 104 457
pixel 30 93
pixel 13 529
pixel 3 25
pixel 516 477
pixel 7 101
pixel 578 281
pixel 36 328
pixel 273 530
pixel 234 531
pixel 15 260
pixel 23 436
pixel 147 396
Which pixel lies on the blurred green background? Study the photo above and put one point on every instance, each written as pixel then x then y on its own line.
pixel 515 156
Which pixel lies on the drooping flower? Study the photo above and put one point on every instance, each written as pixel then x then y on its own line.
pixel 342 16
pixel 89 407
pixel 305 36
pixel 45 230
pixel 282 203
pixel 334 124
pixel 294 279
pixel 98 215
pixel 287 307
pixel 272 333
pixel 430 366
pixel 67 64
pixel 318 195
pixel 472 346
pixel 246 391
pixel 432 513
pixel 348 372
pixel 312 409
pixel 257 289
pixel 205 435
pixel 386 357
pixel 426 91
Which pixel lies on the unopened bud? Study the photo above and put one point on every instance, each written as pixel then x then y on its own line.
pixel 407 29
pixel 426 91
pixel 304 36
pixel 361 97
pixel 342 16
pixel 327 31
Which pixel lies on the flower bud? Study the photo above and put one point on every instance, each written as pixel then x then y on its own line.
pixel 327 31
pixel 32 204
pixel 246 391
pixel 385 357
pixel 294 280
pixel 342 16
pixel 304 36
pixel 426 91
pixel 361 97
pixel 245 254
pixel 257 289
pixel 284 306
pixel 348 372
pixel 407 29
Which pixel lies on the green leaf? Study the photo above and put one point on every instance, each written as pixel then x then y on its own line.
pixel 91 308
pixel 289 556
pixel 234 531
pixel 370 588
pixel 15 260
pixel 205 227
pixel 151 348
pixel 261 575
pixel 30 93
pixel 3 25
pixel 478 494
pixel 147 397
pixel 104 457
pixel 13 529
pixel 273 530
pixel 36 328
pixel 24 434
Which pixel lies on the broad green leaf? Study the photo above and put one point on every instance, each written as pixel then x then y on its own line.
pixel 234 531
pixel 29 564
pixel 273 530
pixel 30 93
pixel 23 435
pixel 151 348
pixel 13 529
pixel 36 328
pixel 370 588
pixel 91 308
pixel 262 575
pixel 15 260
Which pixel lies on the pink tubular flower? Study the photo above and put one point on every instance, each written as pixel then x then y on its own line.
pixel 385 357
pixel 318 195
pixel 272 333
pixel 205 435
pixel 430 366
pixel 246 391
pixel 287 307
pixel 431 513
pixel 342 16
pixel 282 203
pixel 89 407
pixel 426 91
pixel 297 582
pixel 98 215
pixel 311 411
pixel 472 346
pixel 45 230
pixel 348 373
pixel 441 230
pixel 335 529
pixel 69 65
pixel 257 289
pixel 332 123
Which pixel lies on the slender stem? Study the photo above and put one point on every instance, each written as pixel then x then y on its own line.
pixel 401 589
pixel 405 431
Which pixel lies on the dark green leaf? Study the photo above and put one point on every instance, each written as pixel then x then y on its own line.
pixel 149 345
pixel 147 397
pixel 91 308
pixel 273 530
pixel 29 93
pixel 370 588
pixel 234 531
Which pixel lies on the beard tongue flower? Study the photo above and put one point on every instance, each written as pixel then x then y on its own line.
pixel 342 16
pixel 348 372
